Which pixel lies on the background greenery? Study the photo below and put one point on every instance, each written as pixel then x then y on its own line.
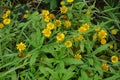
pixel 44 59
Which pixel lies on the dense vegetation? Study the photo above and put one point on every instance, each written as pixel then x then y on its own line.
pixel 59 40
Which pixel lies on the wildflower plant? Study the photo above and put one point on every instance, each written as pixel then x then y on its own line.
pixel 63 46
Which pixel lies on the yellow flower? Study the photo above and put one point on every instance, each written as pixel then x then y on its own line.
pixel 1 25
pixel 62 3
pixel 25 16
pixel 67 24
pixel 46 32
pixel 45 12
pixel 114 31
pixel 63 9
pixel 6 21
pixel 103 41
pixel 68 44
pixel 114 59
pixel 50 26
pixel 82 29
pixel 21 46
pixel 58 23
pixel 46 18
pixel 8 12
pixel 51 16
pixel 80 37
pixel 60 37
pixel 97 29
pixel 88 12
pixel 86 26
pixel 78 56
pixel 111 46
pixel 70 1
pixel 105 66
pixel 102 34
pixel 4 16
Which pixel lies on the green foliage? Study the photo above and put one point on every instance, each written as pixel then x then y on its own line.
pixel 53 3
pixel 26 52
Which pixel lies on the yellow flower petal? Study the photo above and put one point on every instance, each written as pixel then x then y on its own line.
pixel 78 56
pixel 68 44
pixel 6 21
pixel 21 46
pixel 114 59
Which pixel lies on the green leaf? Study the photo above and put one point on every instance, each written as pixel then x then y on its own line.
pixel 97 66
pixel 82 47
pixel 49 61
pixel 114 77
pixel 62 52
pixel 53 4
pixel 71 61
pixel 61 68
pixel 43 70
pixel 14 75
pixel 33 58
pixel 70 15
pixel 97 77
pixel 68 75
pixel 100 49
pixel 110 9
pixel 12 69
pixel 84 75
pixel 90 60
pixel 79 5
pixel 47 1
pixel 36 39
pixel 41 78
pixel 53 73
pixel 51 48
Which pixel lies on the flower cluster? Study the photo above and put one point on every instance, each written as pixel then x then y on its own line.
pixel 6 19
pixel 101 35
pixel 84 28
